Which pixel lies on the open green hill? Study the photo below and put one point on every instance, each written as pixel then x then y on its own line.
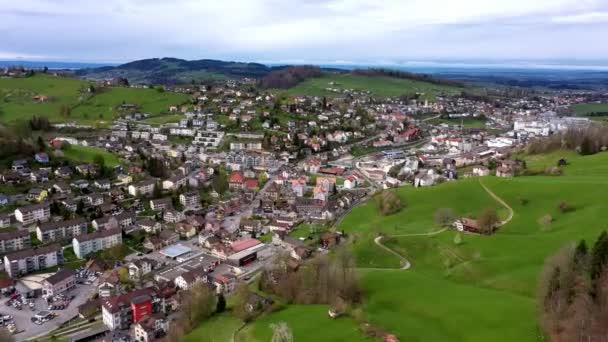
pixel 378 86
pixel 484 288
pixel 98 109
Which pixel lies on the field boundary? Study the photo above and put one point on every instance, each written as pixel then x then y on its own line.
pixel 501 202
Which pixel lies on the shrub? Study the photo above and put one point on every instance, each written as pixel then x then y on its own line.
pixel 388 203
pixel 564 207
pixel 545 222
pixel 445 216
pixel 523 200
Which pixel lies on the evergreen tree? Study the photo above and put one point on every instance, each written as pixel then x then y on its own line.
pixel 221 304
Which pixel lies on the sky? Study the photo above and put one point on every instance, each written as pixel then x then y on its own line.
pixel 305 31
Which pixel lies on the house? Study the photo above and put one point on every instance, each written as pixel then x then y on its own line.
pixel 102 184
pixel 42 157
pixel 235 182
pixel 61 281
pixel 37 195
pixel 26 261
pixel 186 230
pixel 120 311
pixel 149 226
pixel 64 172
pixel 143 188
pixel 61 230
pixel 188 279
pixel 61 188
pixel 504 172
pixel 105 223
pixel 175 182
pixel 33 213
pixel 14 241
pixel 5 220
pixel 87 169
pixel 140 268
pixel 126 219
pixel 480 171
pixel 224 283
pixel 150 328
pixel 161 204
pixel 351 182
pixel 467 224
pixel 190 200
pixel 19 164
pixel 100 240
pixel 173 216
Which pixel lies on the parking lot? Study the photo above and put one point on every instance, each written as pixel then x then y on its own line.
pixel 26 328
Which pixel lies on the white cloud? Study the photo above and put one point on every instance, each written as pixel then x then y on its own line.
pixel 300 30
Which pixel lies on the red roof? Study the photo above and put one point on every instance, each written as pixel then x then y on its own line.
pixel 251 183
pixel 237 177
pixel 244 244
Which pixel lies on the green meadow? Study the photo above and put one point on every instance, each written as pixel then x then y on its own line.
pixel 378 86
pixel 96 109
pixel 482 289
pixel 87 154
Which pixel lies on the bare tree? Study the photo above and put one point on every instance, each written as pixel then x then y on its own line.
pixel 281 332
pixel 445 216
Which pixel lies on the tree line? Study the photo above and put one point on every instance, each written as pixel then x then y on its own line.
pixel 289 77
pixel 573 293
pixel 585 141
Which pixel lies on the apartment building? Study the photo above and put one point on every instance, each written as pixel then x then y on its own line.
pixel 30 260
pixel 33 213
pixel 97 241
pixel 62 230
pixel 14 241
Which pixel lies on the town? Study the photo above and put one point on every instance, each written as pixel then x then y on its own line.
pixel 104 230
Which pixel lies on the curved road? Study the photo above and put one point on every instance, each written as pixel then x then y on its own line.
pixel 406 264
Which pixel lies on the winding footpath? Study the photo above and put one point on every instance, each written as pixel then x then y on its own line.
pixel 406 264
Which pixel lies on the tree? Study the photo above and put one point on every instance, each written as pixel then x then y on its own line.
pixel 444 217
pixel 488 220
pixel 157 191
pixel 220 181
pixel 262 178
pixel 242 308
pixel 221 303
pixel 80 207
pixel 100 162
pixel 41 144
pixel 388 202
pixel 281 332
pixel 199 305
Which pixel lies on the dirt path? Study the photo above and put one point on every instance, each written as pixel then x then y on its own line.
pixel 501 201
pixel 405 264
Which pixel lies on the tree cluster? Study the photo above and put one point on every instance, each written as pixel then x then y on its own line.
pixel 323 280
pixel 585 141
pixel 289 77
pixel 573 293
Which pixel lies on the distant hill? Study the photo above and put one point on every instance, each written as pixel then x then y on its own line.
pixel 174 70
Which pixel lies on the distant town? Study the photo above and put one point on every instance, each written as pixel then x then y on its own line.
pixel 106 231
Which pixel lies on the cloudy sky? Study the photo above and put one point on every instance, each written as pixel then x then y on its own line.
pixel 304 30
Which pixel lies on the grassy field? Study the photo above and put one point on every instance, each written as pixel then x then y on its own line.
pixel 219 328
pixel 16 94
pixel 587 108
pixel 482 289
pixel 307 323
pixel 86 154
pixel 103 106
pixel 379 86
pixel 97 109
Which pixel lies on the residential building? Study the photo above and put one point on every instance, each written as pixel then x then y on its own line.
pixel 120 311
pixel 143 188
pixel 33 213
pixel 150 327
pixel 61 230
pixel 190 200
pixel 30 260
pixel 97 241
pixel 63 280
pixel 14 241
